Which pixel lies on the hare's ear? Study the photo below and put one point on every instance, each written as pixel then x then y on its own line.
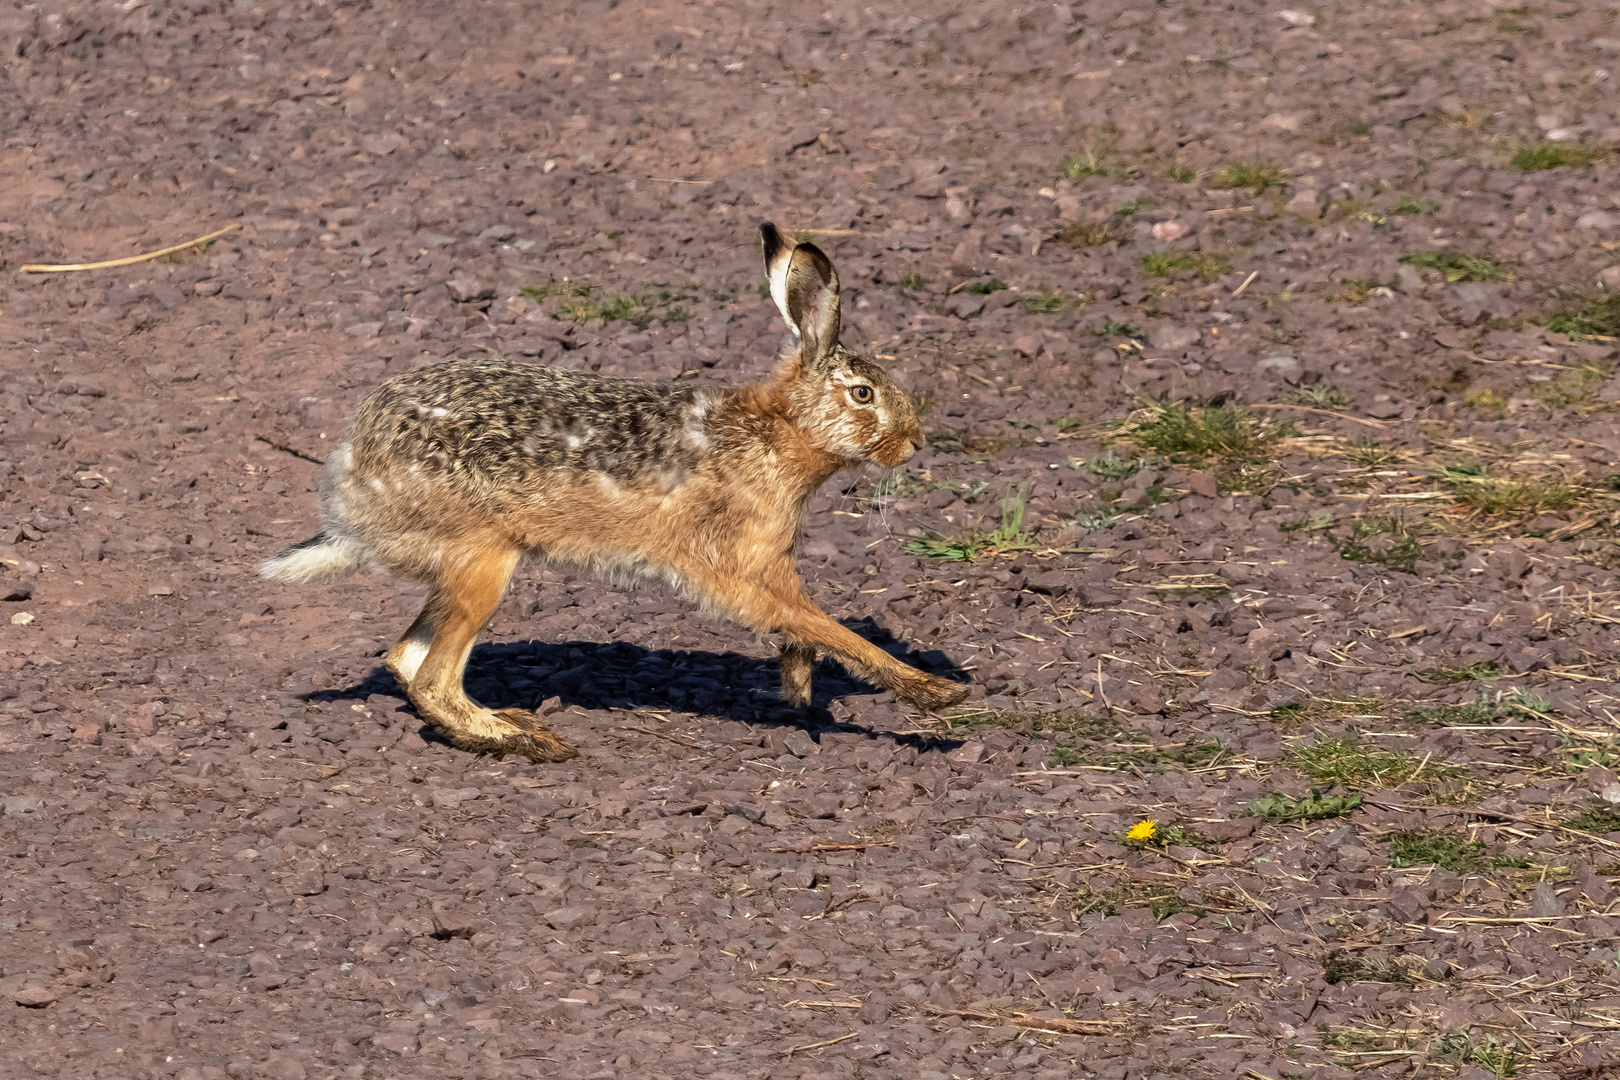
pixel 805 288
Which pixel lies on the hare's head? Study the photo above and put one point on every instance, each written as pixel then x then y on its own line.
pixel 850 405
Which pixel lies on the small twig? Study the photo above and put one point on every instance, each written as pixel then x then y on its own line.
pixel 52 268
pixel 1055 1025
pixel 808 848
pixel 1239 290
pixel 1325 412
pixel 660 735
pixel 673 180
pixel 790 1051
pixel 835 906
pixel 285 449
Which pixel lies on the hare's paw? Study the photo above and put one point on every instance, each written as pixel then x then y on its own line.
pixel 931 694
pixel 510 731
pixel 798 663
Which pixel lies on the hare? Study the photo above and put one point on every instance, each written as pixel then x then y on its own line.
pixel 450 474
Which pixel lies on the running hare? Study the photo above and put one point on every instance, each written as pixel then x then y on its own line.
pixel 450 474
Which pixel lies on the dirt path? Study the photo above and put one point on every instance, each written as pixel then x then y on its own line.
pixel 1371 557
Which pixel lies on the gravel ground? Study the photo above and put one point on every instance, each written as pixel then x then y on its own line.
pixel 1285 332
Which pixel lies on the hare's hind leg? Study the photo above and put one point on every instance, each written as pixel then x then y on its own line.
pixel 798 661
pixel 405 658
pixel 460 603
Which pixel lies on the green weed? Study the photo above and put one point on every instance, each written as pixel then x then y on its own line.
pixel 1384 539
pixel 1160 264
pixel 1089 163
pixel 1494 495
pixel 1594 317
pixel 1162 900
pixel 1538 157
pixel 1281 808
pixel 1319 519
pixel 1410 205
pixel 1479 671
pixel 1086 234
pixel 1318 395
pixel 1044 302
pixel 1342 968
pixel 1449 851
pixel 1597 817
pixel 1350 763
pixel 1371 455
pixel 985 288
pixel 1458 267
pixel 1255 176
pixel 1112 329
pixel 1109 467
pixel 1485 1051
pixel 914 282
pixel 1181 174
pixel 1188 434
pixel 971 543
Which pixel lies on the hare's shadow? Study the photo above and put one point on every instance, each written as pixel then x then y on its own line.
pixel 620 675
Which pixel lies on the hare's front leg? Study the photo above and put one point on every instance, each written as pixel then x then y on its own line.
pixel 779 602
pixel 798 661
pixel 458 605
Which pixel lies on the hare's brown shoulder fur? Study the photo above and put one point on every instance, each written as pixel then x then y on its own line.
pixel 450 474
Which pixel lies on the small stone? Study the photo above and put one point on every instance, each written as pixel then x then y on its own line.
pixel 16 591
pixel 568 918
pixel 1174 338
pixel 207 288
pixel 159 588
pixel 465 289
pixel 87 734
pixel 496 232
pixel 1169 230
pixel 800 744
pixel 22 618
pixel 1279 362
pixel 364 329
pixel 965 305
pixel 34 995
pixel 1596 219
pixel 970 753
pixel 18 805
pixel 193 882
pixel 1306 204
pixel 450 923
pixel 1202 484
pixel 1545 902
pixel 1026 345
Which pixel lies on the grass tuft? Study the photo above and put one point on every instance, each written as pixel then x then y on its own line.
pixel 1255 176
pixel 1449 851
pixel 1350 763
pixel 1538 157
pixel 1091 162
pixel 1190 434
pixel 1086 234
pixel 1280 808
pixel 971 543
pixel 1458 267
pixel 1597 817
pixel 1384 539
pixel 1160 264
pixel 1593 317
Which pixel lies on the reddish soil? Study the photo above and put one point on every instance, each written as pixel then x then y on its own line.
pixel 228 850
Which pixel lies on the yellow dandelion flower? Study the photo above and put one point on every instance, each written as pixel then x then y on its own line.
pixel 1143 830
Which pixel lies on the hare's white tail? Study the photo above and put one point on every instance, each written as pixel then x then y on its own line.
pixel 317 559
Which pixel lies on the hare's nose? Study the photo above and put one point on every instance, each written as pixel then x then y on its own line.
pixel 917 442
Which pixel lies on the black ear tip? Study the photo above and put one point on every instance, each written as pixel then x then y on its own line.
pixel 772 239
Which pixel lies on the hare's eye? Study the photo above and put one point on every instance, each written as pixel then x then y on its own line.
pixel 861 394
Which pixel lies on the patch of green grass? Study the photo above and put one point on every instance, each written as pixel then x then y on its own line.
pixel 1384 539
pixel 1160 264
pixel 1162 836
pixel 1117 748
pixel 1593 316
pixel 1578 387
pixel 1488 402
pixel 1486 1051
pixel 1190 434
pixel 1254 176
pixel 1162 900
pixel 1371 455
pixel 1357 291
pixel 914 282
pixel 976 718
pixel 1458 267
pixel 1280 808
pixel 1349 1039
pixel 1411 205
pixel 1044 301
pixel 1597 817
pixel 1479 671
pixel 1181 174
pixel 971 543
pixel 1319 519
pixel 1537 157
pixel 1351 763
pixel 1488 494
pixel 1487 708
pixel 1102 519
pixel 1343 968
pixel 1112 329
pixel 1447 850
pixel 1086 234
pixel 985 288
pixel 1325 394
pixel 1090 162
pixel 584 303
pixel 1109 467
pixel 541 293
pixel 922 402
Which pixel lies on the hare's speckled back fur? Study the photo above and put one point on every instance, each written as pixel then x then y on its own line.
pixel 450 474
